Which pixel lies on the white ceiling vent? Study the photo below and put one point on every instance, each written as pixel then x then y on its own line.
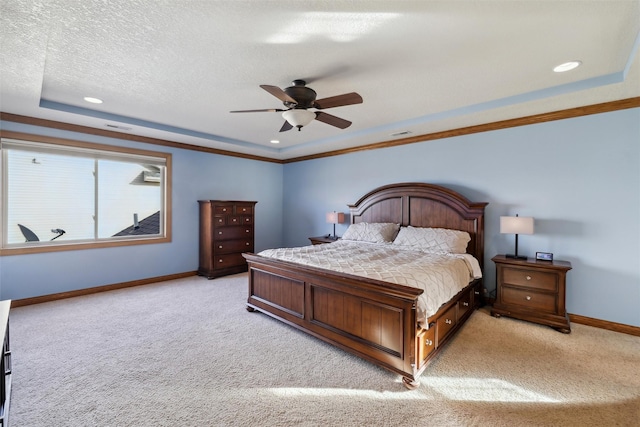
pixel 117 127
pixel 402 133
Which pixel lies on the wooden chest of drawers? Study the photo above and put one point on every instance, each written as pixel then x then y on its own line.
pixel 532 290
pixel 226 231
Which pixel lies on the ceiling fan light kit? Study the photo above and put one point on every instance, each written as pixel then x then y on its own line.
pixel 298 98
pixel 298 117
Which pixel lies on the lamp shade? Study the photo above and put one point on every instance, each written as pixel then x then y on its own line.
pixel 335 217
pixel 516 225
pixel 298 117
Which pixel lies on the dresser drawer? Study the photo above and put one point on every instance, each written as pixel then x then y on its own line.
pixel 527 298
pixel 224 209
pixel 234 220
pixel 244 209
pixel 219 220
pixel 446 322
pixel 530 278
pixel 228 246
pixel 228 260
pixel 228 233
pixel 239 220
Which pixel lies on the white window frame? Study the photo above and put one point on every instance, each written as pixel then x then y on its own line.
pixel 90 150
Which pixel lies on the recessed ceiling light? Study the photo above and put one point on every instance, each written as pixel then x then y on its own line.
pixel 274 141
pixel 567 66
pixel 93 100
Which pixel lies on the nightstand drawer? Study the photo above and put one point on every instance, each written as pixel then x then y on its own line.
pixel 530 278
pixel 529 299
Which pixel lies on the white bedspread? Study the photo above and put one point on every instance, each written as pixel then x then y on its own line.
pixel 440 275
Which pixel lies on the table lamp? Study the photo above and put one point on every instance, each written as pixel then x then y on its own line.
pixel 516 225
pixel 335 218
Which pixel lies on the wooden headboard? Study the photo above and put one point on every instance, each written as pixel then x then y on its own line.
pixel 424 205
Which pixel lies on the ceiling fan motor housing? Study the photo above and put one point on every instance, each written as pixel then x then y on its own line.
pixel 298 99
pixel 303 95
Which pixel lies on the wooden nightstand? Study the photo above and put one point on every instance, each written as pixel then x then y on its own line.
pixel 532 290
pixel 319 240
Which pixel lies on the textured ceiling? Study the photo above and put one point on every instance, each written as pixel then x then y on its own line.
pixel 173 69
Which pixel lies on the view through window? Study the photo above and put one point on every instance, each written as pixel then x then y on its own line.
pixel 56 194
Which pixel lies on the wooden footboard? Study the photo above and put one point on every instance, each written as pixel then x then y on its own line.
pixel 371 319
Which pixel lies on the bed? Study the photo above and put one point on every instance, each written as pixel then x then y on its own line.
pixel 372 318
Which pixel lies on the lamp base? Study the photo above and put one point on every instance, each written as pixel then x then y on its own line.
pixel 516 256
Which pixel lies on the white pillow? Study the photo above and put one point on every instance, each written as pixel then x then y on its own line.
pixel 433 239
pixel 373 232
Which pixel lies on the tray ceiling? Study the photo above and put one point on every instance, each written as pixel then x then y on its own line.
pixel 174 69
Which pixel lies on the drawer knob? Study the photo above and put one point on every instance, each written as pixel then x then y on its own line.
pixel 528 277
pixel 247 231
pixel 448 321
pixel 528 298
pixel 466 304
pixel 220 232
pixel 246 244
pixel 224 209
pixel 477 292
pixel 428 342
pixel 235 220
pixel 220 247
pixel 219 260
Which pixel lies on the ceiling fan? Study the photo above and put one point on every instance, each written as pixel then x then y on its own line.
pixel 298 98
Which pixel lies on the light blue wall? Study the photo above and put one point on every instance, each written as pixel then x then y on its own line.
pixel 579 178
pixel 196 176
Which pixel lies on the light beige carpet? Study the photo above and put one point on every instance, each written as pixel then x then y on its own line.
pixel 187 353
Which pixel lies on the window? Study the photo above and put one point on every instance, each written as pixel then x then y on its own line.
pixel 63 195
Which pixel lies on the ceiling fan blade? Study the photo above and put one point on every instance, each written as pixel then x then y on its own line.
pixel 332 120
pixel 286 126
pixel 266 110
pixel 279 93
pixel 338 101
